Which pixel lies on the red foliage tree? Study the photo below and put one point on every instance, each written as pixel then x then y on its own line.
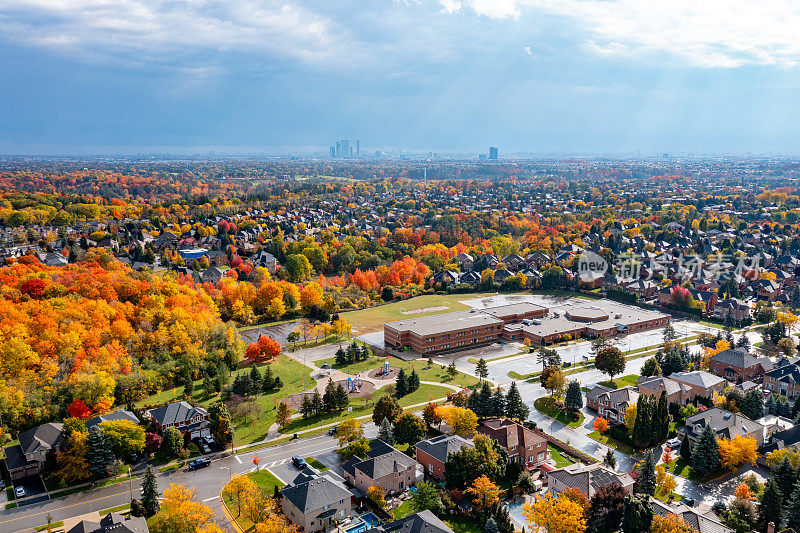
pixel 79 409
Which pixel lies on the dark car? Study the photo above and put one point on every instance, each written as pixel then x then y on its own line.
pixel 332 430
pixel 204 449
pixel 200 462
pixel 299 462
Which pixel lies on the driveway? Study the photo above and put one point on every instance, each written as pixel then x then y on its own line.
pixel 35 491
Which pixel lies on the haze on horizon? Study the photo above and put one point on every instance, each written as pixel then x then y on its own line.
pixel 80 76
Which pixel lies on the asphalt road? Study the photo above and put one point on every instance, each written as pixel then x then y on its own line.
pixel 208 483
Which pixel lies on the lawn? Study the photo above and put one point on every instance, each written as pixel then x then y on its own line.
pixel 296 377
pixel 460 524
pixel 623 381
pixel 316 464
pixel 403 510
pixel 680 467
pixel 546 405
pixel 612 443
pixel 435 373
pixel 560 458
pixel 372 319
pixel 361 407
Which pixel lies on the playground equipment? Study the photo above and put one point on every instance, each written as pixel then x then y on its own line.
pixel 354 384
pixel 384 370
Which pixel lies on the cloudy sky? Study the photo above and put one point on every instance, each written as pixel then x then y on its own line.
pixel 443 75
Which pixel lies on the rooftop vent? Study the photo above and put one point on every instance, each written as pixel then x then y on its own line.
pixel 727 416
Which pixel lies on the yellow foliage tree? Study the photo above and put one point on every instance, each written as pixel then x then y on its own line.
pixel 179 514
pixel 462 420
pixel 777 456
pixel 733 452
pixel 551 514
pixel 237 489
pixel 349 430
pixel 670 523
pixel 485 492
pixel 376 494
pixel 665 482
pixel 708 353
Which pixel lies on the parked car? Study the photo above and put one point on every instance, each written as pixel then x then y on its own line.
pixel 20 492
pixel 299 462
pixel 200 462
pixel 333 429
pixel 673 444
pixel 204 449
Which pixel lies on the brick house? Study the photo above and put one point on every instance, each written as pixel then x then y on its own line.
pixel 524 446
pixel 700 383
pixel 587 478
pixel 384 466
pixel 612 405
pixel 316 502
pixel 726 425
pixel 737 309
pixel 736 364
pixel 190 420
pixel 655 385
pixel 783 380
pixel 35 445
pixel 432 453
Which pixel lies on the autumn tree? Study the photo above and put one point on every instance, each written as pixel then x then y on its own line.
pixel 125 436
pixel 179 514
pixel 377 495
pixel 606 508
pixel 555 514
pixel 610 360
pixel 736 451
pixel 283 415
pixel 600 424
pixel 386 407
pixel 72 460
pixel 553 380
pixel 665 482
pixel 670 523
pixel 430 415
pixel 484 493
pixel 462 421
pixel 409 429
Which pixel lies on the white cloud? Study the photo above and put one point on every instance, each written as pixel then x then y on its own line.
pixel 496 9
pixel 528 50
pixel 707 33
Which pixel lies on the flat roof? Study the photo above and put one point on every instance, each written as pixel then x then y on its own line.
pixel 434 324
pixel 519 308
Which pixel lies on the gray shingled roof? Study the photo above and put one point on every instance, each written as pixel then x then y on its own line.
pixel 738 357
pixel 46 435
pixel 422 522
pixel 443 445
pixel 175 412
pixel 316 493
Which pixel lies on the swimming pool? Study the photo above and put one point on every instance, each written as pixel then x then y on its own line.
pixel 363 523
pixel 515 512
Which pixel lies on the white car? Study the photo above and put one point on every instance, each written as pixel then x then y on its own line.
pixel 20 492
pixel 673 444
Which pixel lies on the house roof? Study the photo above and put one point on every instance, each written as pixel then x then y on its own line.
pixel 112 523
pixel 724 423
pixel 422 522
pixel 120 414
pixel 175 412
pixel 698 378
pixel 382 460
pixel 315 493
pixel 789 374
pixel 46 436
pixel 589 478
pixel 738 357
pixel 510 433
pixel 706 522
pixel 443 445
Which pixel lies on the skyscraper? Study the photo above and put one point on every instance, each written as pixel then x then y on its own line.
pixel 492 152
pixel 358 147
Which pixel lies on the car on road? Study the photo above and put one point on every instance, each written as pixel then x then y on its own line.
pixel 20 492
pixel 200 462
pixel 673 444
pixel 299 462
pixel 333 429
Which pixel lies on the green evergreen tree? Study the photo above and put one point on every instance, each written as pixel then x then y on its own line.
pixel 498 402
pixel 413 381
pixel 785 475
pixel 499 512
pixel 341 357
pixel 705 455
pixel 482 369
pixel 686 449
pixel 752 405
pixel 647 475
pixel 484 402
pixel 317 404
pixel 220 421
pixel 662 421
pixel 188 383
pixel 306 407
pixel 386 431
pixel 150 493
pixel 342 399
pixel 770 507
pixel 401 384
pixel 515 407
pixel 329 397
pixel 491 526
pixel 637 515
pixel 651 368
pixel 791 511
pixel 255 377
pixel 208 386
pixel 573 399
pixel 609 459
pixel 267 381
pixel 99 454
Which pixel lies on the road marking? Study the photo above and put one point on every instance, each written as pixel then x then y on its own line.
pixel 239 459
pixel 27 515
pixel 276 475
pixel 211 498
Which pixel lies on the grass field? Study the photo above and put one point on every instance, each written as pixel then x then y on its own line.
pixel 316 464
pixel 619 382
pixel 546 405
pixel 373 318
pixel 612 443
pixel 435 372
pixel 463 524
pixel 295 377
pixel 363 407
pixel 560 458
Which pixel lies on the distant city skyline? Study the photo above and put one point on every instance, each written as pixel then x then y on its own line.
pixel 448 76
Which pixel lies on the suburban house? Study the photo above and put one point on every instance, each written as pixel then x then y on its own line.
pixel 190 420
pixel 27 457
pixel 654 385
pixel 783 380
pixel 121 414
pixel 592 401
pixel 385 466
pixel 112 523
pixel 736 364
pixel 701 521
pixel 587 478
pixel 316 502
pixel 700 382
pixel 612 404
pixel 524 445
pixel 432 453
pixel 737 309
pixel 725 424
pixel 422 522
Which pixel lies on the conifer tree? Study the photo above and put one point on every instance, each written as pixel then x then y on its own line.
pixel 267 381
pixel 791 511
pixel 306 407
pixel 412 384
pixel 150 493
pixel 686 449
pixel 484 401
pixel 770 506
pixel 637 515
pixel 573 399
pixel 401 384
pixel 316 402
pixel 386 431
pixel 705 455
pixel 342 399
pixel 498 402
pixel 785 476
pixel 752 405
pixel 329 397
pixel 255 377
pixel 647 475
pixel 482 369
pixel 99 453
pixel 515 407
pixel 662 422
